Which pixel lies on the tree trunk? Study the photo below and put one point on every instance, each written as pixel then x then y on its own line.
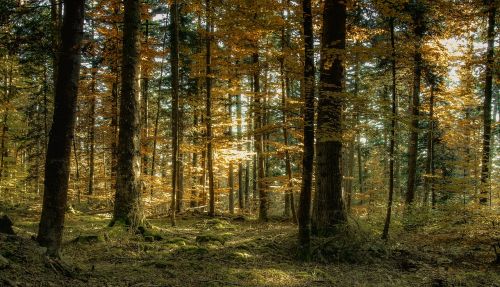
pixel 174 8
pixel 59 147
pixel 158 107
pixel 208 104
pixel 394 114
pixel 304 214
pixel 145 111
pixel 241 191
pixel 194 175
pixel 329 210
pixel 259 140
pixel 231 167
pixel 429 164
pixel 128 209
pixel 417 71
pixel 488 87
pixel 92 115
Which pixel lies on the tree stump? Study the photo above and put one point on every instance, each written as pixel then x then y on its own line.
pixel 6 225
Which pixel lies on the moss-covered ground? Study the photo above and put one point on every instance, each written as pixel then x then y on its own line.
pixel 226 251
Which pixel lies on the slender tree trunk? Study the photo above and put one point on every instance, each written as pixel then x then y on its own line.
pixel 329 210
pixel 285 91
pixel 231 165
pixel 115 71
pixel 128 209
pixel 304 214
pixel 59 146
pixel 430 151
pixel 92 115
pixel 145 110
pixel 208 104
pixel 158 108
pixel 259 140
pixel 248 162
pixel 394 114
pixel 417 71
pixel 241 191
pixel 174 8
pixel 350 174
pixel 77 167
pixel 194 176
pixel 488 87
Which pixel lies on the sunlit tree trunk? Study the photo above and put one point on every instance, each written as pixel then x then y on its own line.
pixel 488 87
pixel 128 207
pixel 59 147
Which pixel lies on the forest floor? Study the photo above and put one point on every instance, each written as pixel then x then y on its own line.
pixel 234 251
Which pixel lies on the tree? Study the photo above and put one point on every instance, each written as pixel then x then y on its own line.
pixel 418 31
pixel 128 209
pixel 175 106
pixel 59 147
pixel 392 144
pixel 329 210
pixel 304 217
pixel 208 104
pixel 488 87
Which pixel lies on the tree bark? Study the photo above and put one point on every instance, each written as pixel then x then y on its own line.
pixel 59 147
pixel 329 210
pixel 208 104
pixel 418 30
pixel 488 87
pixel 304 214
pixel 128 209
pixel 259 140
pixel 174 8
pixel 92 114
pixel 394 114
pixel 241 191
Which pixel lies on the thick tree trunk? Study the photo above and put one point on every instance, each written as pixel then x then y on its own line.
pixel 59 147
pixel 174 8
pixel 329 210
pixel 488 87
pixel 304 214
pixel 128 209
pixel 415 105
